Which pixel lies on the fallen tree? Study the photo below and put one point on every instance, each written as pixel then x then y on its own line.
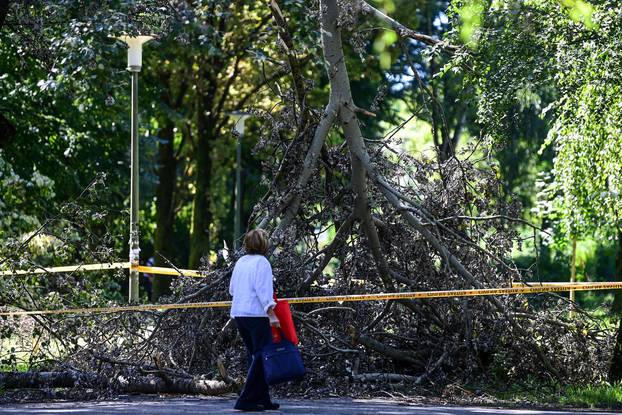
pixel 399 223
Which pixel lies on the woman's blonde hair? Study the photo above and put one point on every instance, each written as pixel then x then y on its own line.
pixel 256 242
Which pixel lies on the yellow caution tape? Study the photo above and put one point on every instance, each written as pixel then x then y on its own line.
pixel 116 309
pixel 180 272
pixel 70 268
pixel 171 271
pixel 478 292
pixel 551 287
pixel 548 283
pixel 100 267
pixel 537 283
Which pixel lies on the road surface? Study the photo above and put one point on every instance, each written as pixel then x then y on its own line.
pixel 202 406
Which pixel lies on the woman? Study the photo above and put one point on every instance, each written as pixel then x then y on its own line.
pixel 253 312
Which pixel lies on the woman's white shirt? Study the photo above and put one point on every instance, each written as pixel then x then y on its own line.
pixel 251 287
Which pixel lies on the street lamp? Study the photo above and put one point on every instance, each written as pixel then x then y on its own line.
pixel 239 117
pixel 134 64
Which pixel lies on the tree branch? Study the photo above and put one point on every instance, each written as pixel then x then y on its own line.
pixel 328 252
pixel 404 31
pixel 308 167
pixel 340 88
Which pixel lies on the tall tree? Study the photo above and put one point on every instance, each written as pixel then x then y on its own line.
pixel 571 48
pixel 223 80
pixel 7 131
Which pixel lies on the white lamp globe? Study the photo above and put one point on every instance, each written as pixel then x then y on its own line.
pixel 239 117
pixel 135 50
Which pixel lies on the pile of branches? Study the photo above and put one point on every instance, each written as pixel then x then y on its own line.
pixel 397 223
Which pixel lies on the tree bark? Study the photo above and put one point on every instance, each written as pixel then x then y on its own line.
pixel 138 384
pixel 201 206
pixel 153 384
pixel 65 379
pixel 346 109
pixel 404 31
pixel 617 302
pixel 164 207
pixel 615 370
pixel 201 213
pixel 403 356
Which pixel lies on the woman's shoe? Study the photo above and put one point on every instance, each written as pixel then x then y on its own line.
pixel 253 408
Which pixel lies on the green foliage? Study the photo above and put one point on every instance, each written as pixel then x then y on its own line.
pixel 595 260
pixel 535 55
pixel 57 93
pixel 588 168
pixel 21 199
pixel 13 366
pixel 63 85
pixel 600 395
pixel 580 11
pixel 382 43
pixel 471 16
pixel 593 396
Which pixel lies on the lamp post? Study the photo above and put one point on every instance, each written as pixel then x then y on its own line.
pixel 239 117
pixel 134 64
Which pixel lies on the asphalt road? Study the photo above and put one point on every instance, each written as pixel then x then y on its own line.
pixel 202 406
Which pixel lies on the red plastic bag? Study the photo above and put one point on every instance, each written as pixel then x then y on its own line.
pixel 284 314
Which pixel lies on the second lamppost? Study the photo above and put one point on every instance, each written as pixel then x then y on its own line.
pixel 134 64
pixel 239 118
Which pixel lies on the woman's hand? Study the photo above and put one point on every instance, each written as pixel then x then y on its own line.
pixel 274 321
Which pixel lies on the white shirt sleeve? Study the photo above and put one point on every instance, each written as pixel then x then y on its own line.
pixel 263 284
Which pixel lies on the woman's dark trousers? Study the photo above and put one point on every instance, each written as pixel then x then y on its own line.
pixel 255 332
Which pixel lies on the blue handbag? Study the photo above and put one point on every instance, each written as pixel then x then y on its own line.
pixel 282 362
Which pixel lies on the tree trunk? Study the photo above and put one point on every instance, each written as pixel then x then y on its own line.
pixel 152 384
pixel 4 10
pixel 573 266
pixel 7 131
pixel 201 209
pixel 615 370
pixel 65 379
pixel 135 384
pixel 167 167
